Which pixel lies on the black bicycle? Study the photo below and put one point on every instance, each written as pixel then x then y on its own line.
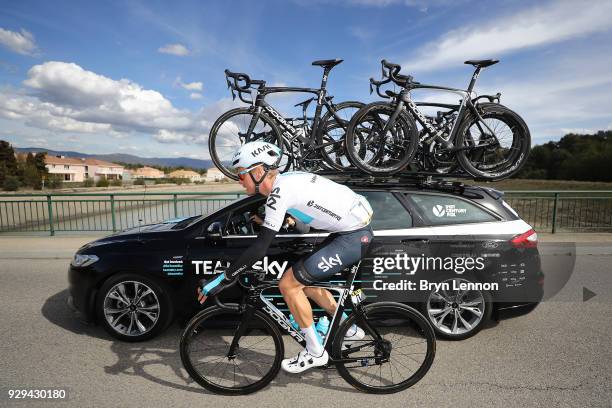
pixel 237 348
pixel 308 143
pixel 484 139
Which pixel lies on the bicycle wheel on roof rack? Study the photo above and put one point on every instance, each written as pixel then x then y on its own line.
pixel 497 146
pixel 378 149
pixel 332 134
pixel 230 131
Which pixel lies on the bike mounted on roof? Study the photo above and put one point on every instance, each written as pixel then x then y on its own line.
pixel 478 138
pixel 309 143
pixel 483 140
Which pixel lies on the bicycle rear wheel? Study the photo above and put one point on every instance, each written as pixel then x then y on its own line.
pixel 332 132
pixel 396 360
pixel 205 345
pixel 498 150
pixel 376 148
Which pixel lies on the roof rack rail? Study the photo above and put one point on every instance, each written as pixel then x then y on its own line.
pixel 411 179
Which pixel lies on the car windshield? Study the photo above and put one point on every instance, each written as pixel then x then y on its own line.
pixel 187 221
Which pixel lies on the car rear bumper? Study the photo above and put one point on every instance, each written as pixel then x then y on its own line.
pixel 505 311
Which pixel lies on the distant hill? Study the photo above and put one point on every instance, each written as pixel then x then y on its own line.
pixel 126 158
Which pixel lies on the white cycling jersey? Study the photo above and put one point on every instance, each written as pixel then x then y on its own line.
pixel 316 201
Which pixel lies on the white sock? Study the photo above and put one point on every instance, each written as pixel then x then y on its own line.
pixel 313 341
pixel 352 330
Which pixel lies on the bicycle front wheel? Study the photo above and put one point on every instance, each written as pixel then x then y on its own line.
pixel 231 130
pixel 205 351
pixel 397 351
pixel 379 148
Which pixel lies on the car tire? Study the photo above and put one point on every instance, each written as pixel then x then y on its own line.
pixel 457 318
pixel 133 308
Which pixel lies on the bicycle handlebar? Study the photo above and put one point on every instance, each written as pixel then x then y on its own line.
pixel 235 84
pixel 390 72
pixel 378 84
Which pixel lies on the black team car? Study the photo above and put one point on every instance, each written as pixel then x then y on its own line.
pixel 459 253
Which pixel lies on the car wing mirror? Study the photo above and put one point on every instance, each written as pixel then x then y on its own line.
pixel 214 230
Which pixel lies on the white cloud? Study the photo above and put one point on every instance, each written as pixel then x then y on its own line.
pixel 22 43
pixel 537 26
pixel 193 86
pixel 580 131
pixel 190 86
pixel 195 95
pixel 63 99
pixel 41 115
pixel 174 49
pixel 422 5
pixel 166 136
pixel 69 90
pixel 37 140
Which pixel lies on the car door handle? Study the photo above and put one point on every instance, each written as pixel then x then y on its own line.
pixel 415 241
pixel 296 246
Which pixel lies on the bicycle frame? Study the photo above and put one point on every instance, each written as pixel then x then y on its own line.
pixel 290 133
pixel 404 99
pixel 256 301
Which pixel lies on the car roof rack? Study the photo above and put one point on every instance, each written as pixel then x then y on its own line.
pixel 420 180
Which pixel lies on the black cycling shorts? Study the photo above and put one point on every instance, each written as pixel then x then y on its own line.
pixel 338 251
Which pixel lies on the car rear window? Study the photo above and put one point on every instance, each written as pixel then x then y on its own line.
pixel 389 213
pixel 447 210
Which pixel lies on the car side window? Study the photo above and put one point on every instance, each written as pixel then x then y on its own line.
pixel 389 213
pixel 248 220
pixel 447 210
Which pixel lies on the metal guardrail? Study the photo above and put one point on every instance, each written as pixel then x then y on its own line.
pixel 103 211
pixel 564 211
pixel 546 211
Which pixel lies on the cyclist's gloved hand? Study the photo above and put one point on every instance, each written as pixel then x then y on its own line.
pixel 213 286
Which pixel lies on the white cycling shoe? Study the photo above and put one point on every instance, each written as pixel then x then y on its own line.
pixel 304 361
pixel 357 334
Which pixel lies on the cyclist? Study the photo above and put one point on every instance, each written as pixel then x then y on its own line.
pixel 320 203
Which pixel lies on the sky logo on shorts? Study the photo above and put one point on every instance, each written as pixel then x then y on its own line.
pixel 365 239
pixel 329 263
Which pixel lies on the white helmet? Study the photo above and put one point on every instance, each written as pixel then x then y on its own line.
pixel 257 152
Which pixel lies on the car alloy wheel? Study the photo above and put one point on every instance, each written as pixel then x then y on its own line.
pixel 131 308
pixel 456 313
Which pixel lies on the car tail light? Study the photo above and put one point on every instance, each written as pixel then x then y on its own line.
pixel 527 239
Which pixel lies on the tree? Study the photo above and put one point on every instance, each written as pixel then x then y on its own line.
pixel 8 163
pixel 573 157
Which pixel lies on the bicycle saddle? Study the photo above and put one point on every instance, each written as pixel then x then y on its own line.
pixel 327 63
pixel 482 63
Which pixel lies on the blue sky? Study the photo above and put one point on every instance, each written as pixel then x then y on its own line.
pixel 146 78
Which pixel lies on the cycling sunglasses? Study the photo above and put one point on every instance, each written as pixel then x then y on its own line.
pixel 242 174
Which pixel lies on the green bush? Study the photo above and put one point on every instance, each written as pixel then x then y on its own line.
pixel 116 183
pixel 11 183
pixel 89 182
pixel 161 181
pixel 56 181
pixel 102 183
pixel 139 182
